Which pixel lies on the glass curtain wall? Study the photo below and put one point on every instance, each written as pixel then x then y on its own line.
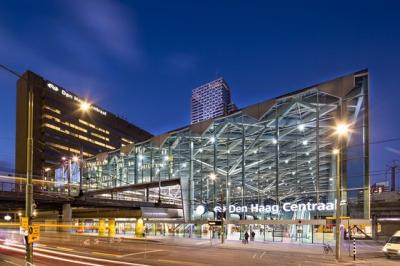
pixel 272 160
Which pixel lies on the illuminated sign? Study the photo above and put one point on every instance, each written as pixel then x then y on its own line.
pixel 70 96
pixel 53 87
pixel 286 207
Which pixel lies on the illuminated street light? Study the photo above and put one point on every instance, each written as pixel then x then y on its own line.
pixel 47 169
pixel 212 139
pixel 301 127
pixel 75 158
pixel 85 106
pixel 342 129
pixel 274 141
pixel 63 158
pixel 7 217
pixel 213 176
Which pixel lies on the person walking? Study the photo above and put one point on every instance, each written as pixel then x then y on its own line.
pixel 246 237
pixel 253 234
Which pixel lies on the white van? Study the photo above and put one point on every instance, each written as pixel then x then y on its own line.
pixel 392 247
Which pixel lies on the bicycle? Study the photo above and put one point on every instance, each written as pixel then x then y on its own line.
pixel 327 248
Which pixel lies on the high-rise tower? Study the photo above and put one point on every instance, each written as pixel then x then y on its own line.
pixel 211 100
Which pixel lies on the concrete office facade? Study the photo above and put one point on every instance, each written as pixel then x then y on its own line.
pixel 61 128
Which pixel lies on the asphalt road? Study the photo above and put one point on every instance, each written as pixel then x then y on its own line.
pixel 65 249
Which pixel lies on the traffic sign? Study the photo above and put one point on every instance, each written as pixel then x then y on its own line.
pixel 24 223
pixel 33 233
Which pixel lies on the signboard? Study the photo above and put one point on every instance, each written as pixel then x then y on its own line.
pixel 24 223
pixel 215 223
pixel 274 209
pixel 73 97
pixel 33 233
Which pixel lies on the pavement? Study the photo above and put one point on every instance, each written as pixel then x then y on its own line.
pixel 68 249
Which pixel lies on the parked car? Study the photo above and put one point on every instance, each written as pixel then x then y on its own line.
pixel 392 246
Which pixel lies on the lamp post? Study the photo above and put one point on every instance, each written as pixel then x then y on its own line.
pixel 213 177
pixel 341 131
pixel 84 107
pixel 29 169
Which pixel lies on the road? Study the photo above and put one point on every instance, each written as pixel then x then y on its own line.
pixel 66 249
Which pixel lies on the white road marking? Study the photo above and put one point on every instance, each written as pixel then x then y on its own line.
pixel 142 252
pixel 77 256
pixel 262 255
pixel 49 256
pixel 12 263
pixel 254 256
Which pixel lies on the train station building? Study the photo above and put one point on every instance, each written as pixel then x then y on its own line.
pixel 273 167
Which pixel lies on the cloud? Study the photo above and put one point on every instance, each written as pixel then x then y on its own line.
pixel 393 150
pixel 110 24
pixel 181 61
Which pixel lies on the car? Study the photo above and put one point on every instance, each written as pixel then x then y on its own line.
pixel 392 246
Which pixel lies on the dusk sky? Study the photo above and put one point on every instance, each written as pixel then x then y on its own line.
pixel 141 59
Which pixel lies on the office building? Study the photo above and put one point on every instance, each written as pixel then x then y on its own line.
pixel 65 124
pixel 211 100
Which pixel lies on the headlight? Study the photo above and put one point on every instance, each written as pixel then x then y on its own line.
pixel 384 249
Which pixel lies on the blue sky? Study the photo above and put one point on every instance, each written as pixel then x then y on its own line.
pixel 141 59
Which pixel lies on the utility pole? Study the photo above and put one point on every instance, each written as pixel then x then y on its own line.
pixel 29 163
pixel 29 169
pixel 338 206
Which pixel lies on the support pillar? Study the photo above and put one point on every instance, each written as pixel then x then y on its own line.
pixel 102 227
pixel 66 217
pixel 139 228
pixel 111 227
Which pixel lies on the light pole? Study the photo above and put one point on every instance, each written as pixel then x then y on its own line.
pixel 84 107
pixel 29 169
pixel 213 177
pixel 341 131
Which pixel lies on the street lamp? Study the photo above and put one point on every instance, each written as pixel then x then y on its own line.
pixel 85 106
pixel 213 177
pixel 341 130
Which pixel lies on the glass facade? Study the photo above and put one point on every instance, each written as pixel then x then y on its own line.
pixel 270 161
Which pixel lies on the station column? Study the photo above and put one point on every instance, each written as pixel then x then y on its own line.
pixel 66 217
pixel 111 227
pixel 102 227
pixel 139 227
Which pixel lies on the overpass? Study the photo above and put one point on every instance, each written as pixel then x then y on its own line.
pixel 114 202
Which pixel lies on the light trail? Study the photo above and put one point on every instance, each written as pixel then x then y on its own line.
pixel 48 256
pixel 73 255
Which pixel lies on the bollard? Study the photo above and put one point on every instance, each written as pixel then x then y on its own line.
pixel 354 249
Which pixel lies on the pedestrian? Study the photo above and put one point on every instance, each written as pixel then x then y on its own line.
pixel 253 234
pixel 246 237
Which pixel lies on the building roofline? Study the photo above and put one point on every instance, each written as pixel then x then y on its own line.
pixel 74 94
